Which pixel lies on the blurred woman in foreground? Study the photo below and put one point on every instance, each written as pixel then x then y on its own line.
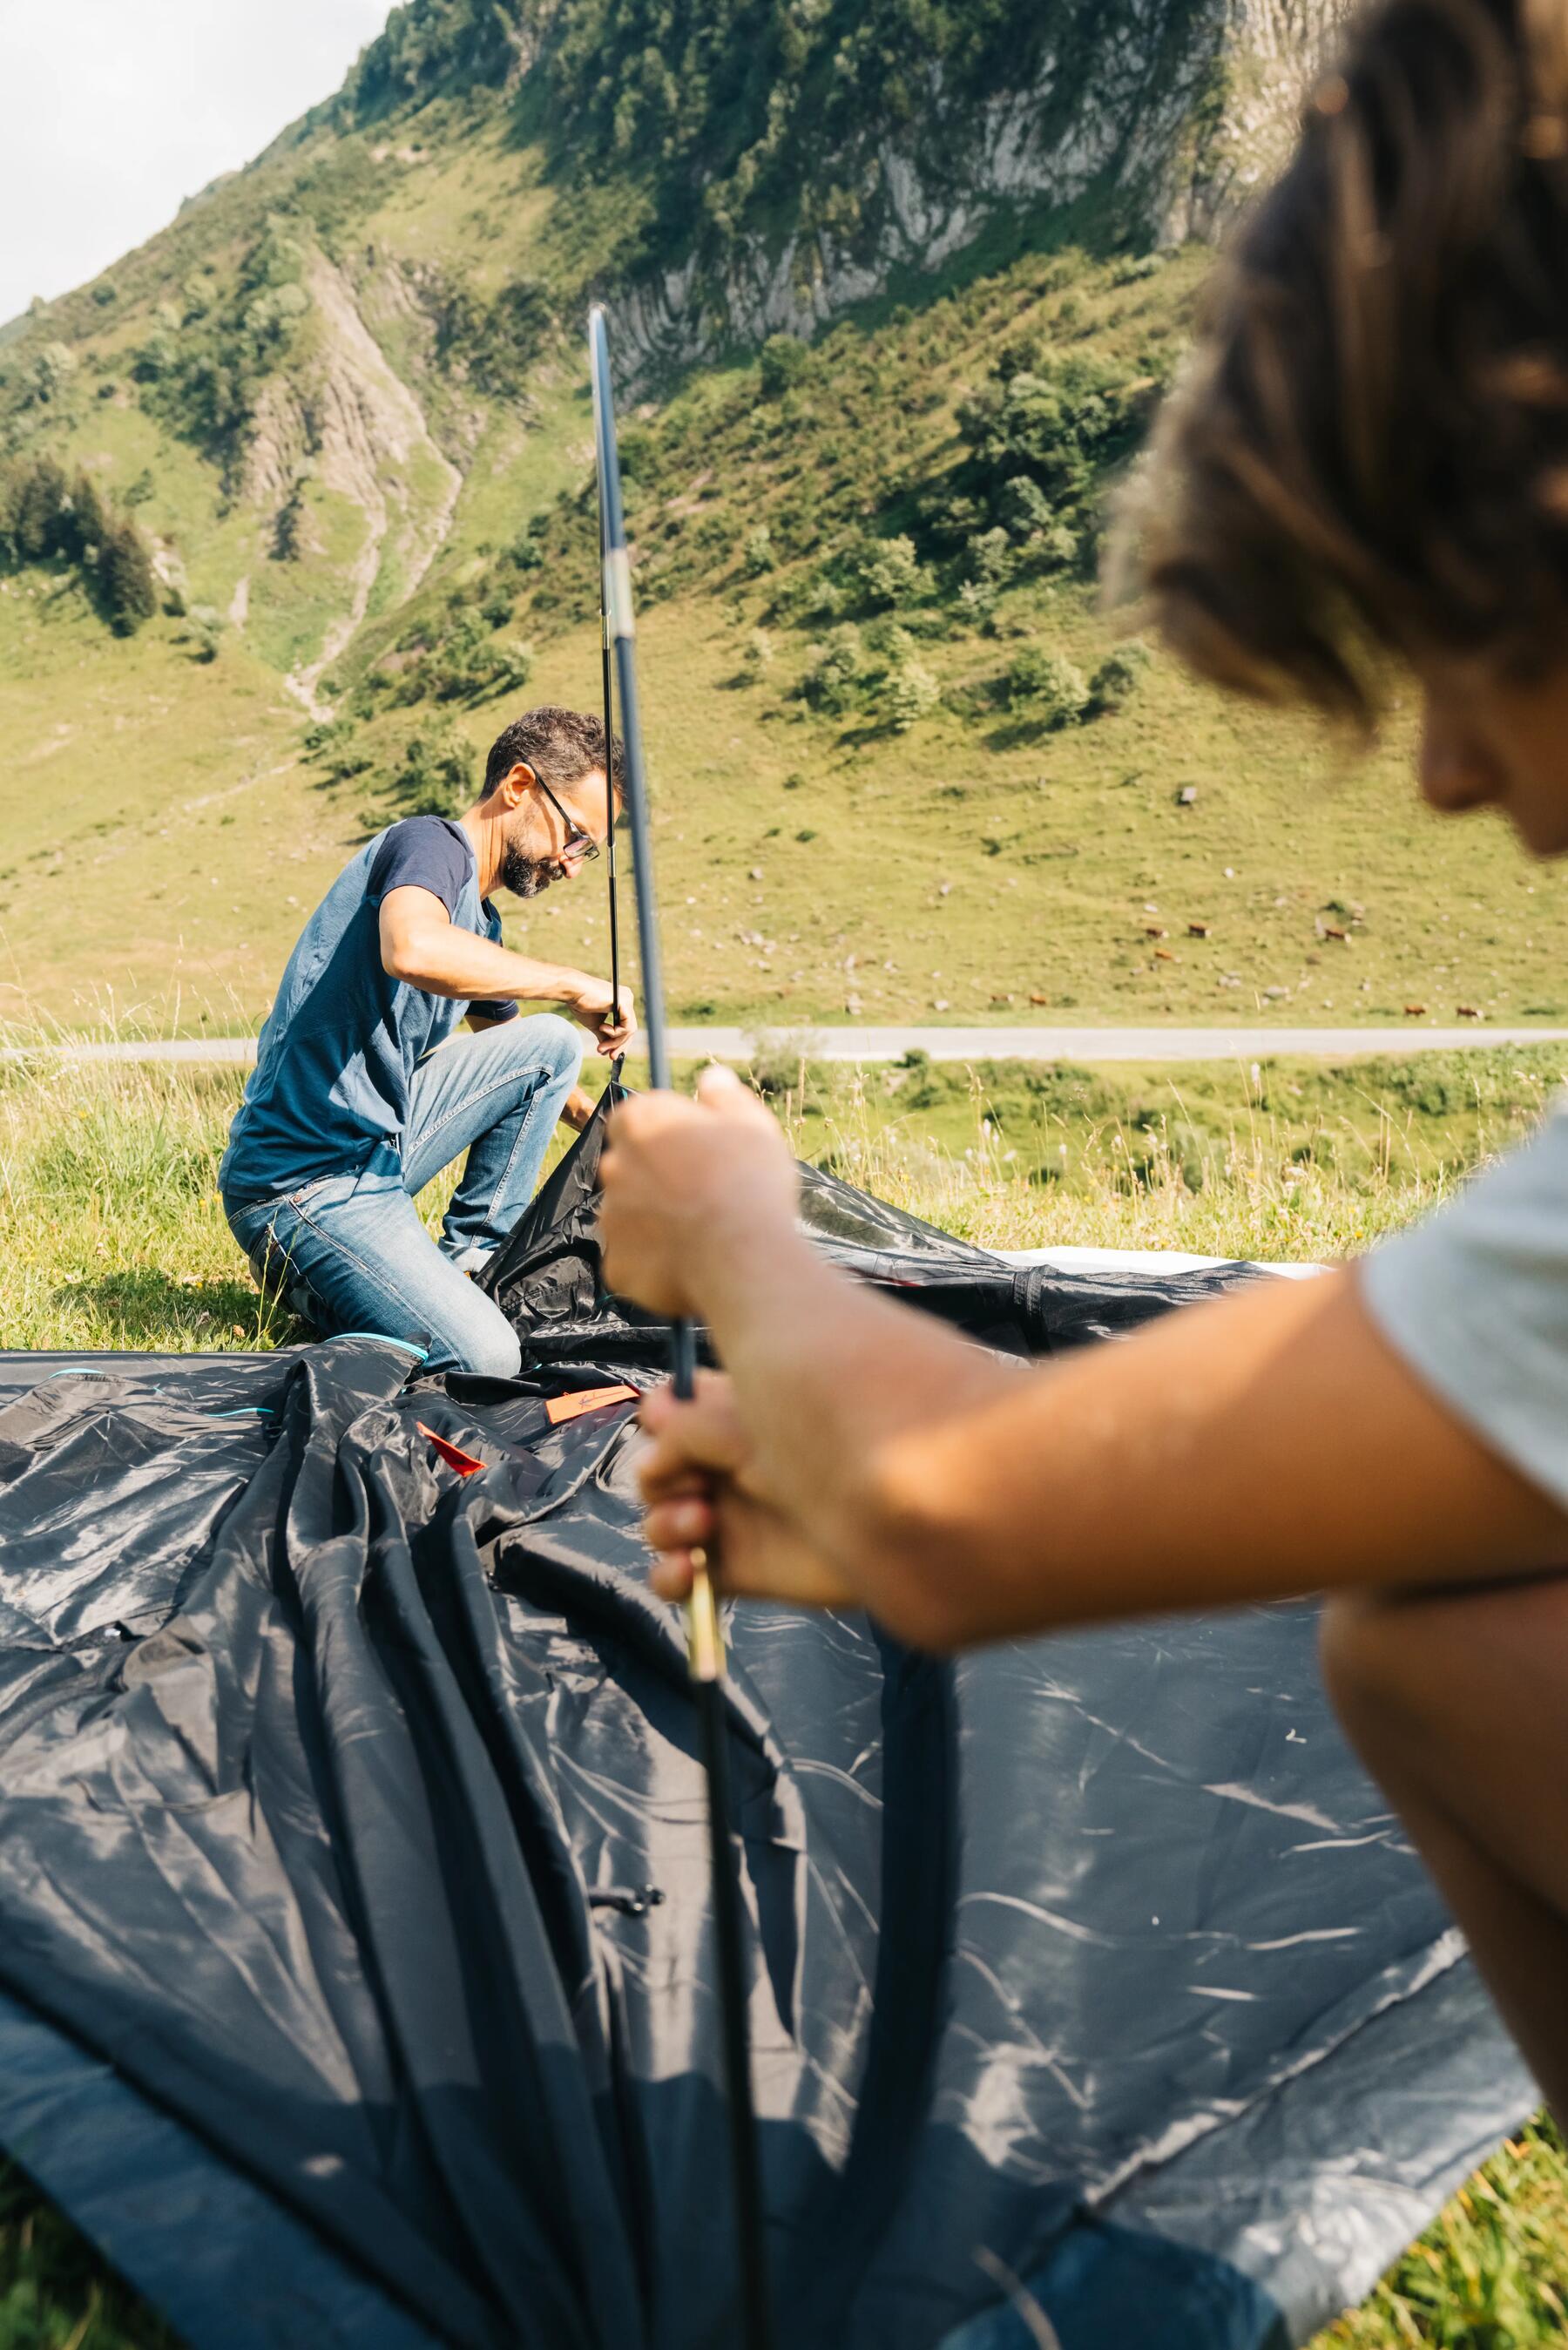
pixel 1365 475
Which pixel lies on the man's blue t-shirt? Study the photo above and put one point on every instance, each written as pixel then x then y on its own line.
pixel 336 1057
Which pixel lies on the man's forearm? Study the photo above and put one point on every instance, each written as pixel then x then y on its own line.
pixel 449 960
pixel 1255 1448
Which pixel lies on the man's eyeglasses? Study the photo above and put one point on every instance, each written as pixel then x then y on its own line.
pixel 577 839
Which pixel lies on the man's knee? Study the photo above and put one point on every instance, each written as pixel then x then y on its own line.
pixel 556 1046
pixel 496 1356
pixel 489 1350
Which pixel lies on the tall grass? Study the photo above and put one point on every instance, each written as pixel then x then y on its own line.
pixel 1142 1167
pixel 111 1232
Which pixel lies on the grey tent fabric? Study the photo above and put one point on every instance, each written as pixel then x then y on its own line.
pixel 355 1963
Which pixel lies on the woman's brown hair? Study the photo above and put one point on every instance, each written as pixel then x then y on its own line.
pixel 1370 449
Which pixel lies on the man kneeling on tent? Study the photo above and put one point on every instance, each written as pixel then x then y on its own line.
pixel 352 1109
pixel 1366 474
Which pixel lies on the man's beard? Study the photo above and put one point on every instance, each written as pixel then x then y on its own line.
pixel 525 876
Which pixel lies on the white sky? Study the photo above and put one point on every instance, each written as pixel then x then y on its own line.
pixel 113 110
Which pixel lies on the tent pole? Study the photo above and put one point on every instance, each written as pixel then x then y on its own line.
pixel 705 1638
pixel 609 694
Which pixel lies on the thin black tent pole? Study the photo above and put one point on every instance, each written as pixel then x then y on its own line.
pixel 609 767
pixel 705 1638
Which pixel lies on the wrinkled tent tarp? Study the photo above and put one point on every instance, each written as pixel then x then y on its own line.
pixel 356 1969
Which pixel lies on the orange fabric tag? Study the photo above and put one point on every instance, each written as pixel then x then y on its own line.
pixel 452 1454
pixel 573 1406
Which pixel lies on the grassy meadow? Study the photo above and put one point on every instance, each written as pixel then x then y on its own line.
pixel 110 1235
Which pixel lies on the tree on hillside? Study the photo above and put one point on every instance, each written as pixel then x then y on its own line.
pixel 1042 443
pixel 32 499
pixel 86 523
pixel 127 583
pixel 783 360
pixel 47 516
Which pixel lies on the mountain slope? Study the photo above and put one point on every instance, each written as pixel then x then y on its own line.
pixel 774 164
pixel 906 765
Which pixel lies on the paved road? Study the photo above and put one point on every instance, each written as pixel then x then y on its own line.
pixel 1081 1044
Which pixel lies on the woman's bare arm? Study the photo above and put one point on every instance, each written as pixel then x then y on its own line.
pixel 1267 1444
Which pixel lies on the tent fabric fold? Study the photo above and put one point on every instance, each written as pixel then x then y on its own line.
pixel 357 1979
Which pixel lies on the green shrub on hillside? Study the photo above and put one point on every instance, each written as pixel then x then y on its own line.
pixel 334 745
pixel 128 585
pixel 288 526
pixel 436 777
pixel 1115 680
pixel 51 369
pixel 989 559
pixel 1023 508
pixel 820 598
pixel 875 675
pixel 910 692
pixel 1050 689
pixel 888 572
pixel 836 671
pixel 205 635
pixel 782 362
pixel 466 663
pixel 526 552
pixel 1041 443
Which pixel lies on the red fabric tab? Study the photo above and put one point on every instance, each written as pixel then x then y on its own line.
pixel 452 1454
pixel 573 1406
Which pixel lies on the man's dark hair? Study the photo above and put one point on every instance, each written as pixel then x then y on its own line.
pixel 1370 455
pixel 562 746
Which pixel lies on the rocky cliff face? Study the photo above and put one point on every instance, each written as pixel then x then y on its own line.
pixel 1268 54
pixel 1171 114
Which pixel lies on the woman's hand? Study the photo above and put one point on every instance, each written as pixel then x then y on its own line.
pixel 703 1488
pixel 686 1183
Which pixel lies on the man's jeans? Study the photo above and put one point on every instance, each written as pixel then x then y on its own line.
pixel 350 1252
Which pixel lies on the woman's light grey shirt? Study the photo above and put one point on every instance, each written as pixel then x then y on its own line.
pixel 1476 1301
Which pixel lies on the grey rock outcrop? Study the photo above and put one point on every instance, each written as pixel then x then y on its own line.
pixel 1172 113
